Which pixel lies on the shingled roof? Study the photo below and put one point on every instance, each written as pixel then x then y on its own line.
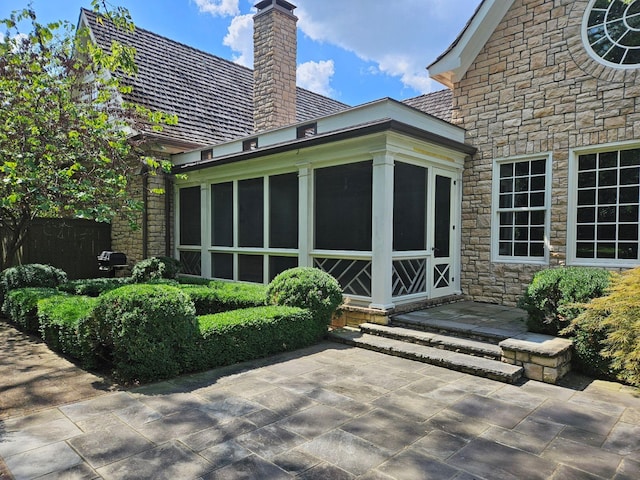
pixel 212 97
pixel 438 104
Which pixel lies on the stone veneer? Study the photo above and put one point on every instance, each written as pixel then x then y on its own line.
pixel 533 89
pixel 129 240
pixel 275 50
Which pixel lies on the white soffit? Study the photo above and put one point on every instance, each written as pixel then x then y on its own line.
pixel 454 63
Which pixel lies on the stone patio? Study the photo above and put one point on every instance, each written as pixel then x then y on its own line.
pixel 333 412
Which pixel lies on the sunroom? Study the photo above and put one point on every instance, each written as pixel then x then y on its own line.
pixel 371 195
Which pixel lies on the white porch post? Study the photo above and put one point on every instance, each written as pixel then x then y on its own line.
pixel 205 233
pixel 382 231
pixel 305 216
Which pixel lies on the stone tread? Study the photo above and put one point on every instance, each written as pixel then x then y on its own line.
pixel 446 342
pixel 420 322
pixel 460 362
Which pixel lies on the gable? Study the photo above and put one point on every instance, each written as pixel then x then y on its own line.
pixel 451 66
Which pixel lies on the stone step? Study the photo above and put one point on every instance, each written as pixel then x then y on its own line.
pixel 460 362
pixel 446 342
pixel 418 321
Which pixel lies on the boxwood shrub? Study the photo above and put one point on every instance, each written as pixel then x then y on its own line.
pixel 240 335
pixel 554 296
pixel 145 331
pixel 155 268
pixel 30 275
pixel 306 287
pixel 224 296
pixel 59 317
pixel 21 306
pixel 93 286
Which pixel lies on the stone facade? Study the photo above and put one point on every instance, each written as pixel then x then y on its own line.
pixel 275 50
pixel 533 89
pixel 130 240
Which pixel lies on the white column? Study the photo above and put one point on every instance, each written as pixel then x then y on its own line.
pixel 205 231
pixel 382 231
pixel 305 215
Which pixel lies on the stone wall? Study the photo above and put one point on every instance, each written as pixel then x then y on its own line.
pixel 129 240
pixel 533 89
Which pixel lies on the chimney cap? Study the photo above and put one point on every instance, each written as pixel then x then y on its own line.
pixel 283 4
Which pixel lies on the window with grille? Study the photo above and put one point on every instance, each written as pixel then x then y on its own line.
pixel 606 207
pixel 521 209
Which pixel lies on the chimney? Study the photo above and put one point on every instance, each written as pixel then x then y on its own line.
pixel 274 58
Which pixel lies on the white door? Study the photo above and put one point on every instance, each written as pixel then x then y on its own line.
pixel 443 274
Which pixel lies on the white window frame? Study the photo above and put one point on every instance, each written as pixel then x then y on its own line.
pixel 495 210
pixel 572 221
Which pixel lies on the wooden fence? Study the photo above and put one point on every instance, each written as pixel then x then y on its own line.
pixel 69 244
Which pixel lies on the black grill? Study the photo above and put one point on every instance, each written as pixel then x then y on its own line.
pixel 110 261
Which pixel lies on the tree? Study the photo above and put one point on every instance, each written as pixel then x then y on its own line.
pixel 67 143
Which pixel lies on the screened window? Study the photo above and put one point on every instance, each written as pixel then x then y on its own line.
pixel 608 201
pixel 343 207
pixel 520 190
pixel 283 211
pixel 190 216
pixel 222 214
pixel 251 212
pixel 409 207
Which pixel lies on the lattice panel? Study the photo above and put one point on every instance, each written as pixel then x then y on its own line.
pixel 409 276
pixel 191 263
pixel 441 275
pixel 354 276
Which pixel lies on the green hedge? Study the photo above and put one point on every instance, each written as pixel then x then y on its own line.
pixel 59 317
pixel 240 335
pixel 93 286
pixel 30 275
pixel 554 296
pixel 223 296
pixel 21 306
pixel 146 331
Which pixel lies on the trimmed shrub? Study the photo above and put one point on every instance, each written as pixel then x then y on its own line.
pixel 182 279
pixel 59 317
pixel 155 268
pixel 307 287
pixel 144 330
pixel 93 286
pixel 30 275
pixel 554 296
pixel 617 314
pixel 224 296
pixel 251 333
pixel 21 306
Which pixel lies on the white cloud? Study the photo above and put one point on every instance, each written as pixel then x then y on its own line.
pixel 222 8
pixel 399 37
pixel 240 39
pixel 316 76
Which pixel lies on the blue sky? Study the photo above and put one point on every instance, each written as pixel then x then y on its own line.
pixel 352 50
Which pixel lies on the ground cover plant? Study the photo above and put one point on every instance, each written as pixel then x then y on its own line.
pixel 142 332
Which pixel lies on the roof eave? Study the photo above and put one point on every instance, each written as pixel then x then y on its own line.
pixel 453 64
pixel 381 126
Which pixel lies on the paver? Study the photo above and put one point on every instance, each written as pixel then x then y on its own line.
pixel 342 412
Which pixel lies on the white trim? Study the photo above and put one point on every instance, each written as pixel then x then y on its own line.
pixel 572 206
pixel 495 224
